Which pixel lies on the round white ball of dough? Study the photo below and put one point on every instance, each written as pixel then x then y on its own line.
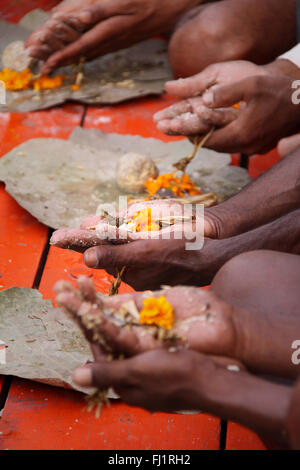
pixel 133 170
pixel 16 57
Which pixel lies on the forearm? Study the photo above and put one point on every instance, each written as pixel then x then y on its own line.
pixel 285 66
pixel 250 401
pixel 275 193
pixel 281 235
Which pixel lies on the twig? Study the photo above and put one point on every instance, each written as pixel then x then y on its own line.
pixel 114 288
pixel 183 163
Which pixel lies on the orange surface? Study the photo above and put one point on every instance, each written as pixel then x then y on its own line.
pixel 14 10
pixel 68 266
pixel 41 417
pixel 240 438
pixel 258 164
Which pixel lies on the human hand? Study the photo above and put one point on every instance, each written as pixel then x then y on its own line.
pixel 100 28
pixel 202 322
pixel 252 131
pixel 160 380
pixel 191 116
pixel 104 233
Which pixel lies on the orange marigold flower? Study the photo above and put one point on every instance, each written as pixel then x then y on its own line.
pixel 157 311
pixel 48 83
pixel 15 81
pixel 179 186
pixel 143 221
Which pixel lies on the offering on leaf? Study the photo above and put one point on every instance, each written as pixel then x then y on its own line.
pixel 142 222
pixel 24 80
pixel 157 311
pixel 133 170
pixel 104 324
pixel 180 186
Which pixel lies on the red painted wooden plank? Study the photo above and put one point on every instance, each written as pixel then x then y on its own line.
pixel 258 164
pixel 41 417
pixel 58 122
pixel 241 438
pixel 67 265
pixel 132 117
pixel 14 10
pixel 22 237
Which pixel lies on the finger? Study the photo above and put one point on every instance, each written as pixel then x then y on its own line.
pixel 87 290
pixel 53 42
pixel 41 52
pixel 64 31
pixel 97 328
pixel 35 37
pixel 98 354
pixel 110 256
pixel 190 124
pixel 85 46
pixel 93 14
pixel 225 96
pixel 192 86
pixel 288 145
pixel 77 240
pixel 173 111
pixel 63 286
pixel 104 375
pixel 216 118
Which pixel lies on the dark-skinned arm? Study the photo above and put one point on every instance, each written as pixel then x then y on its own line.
pixel 275 193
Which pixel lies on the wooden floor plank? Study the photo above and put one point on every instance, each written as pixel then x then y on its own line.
pixel 67 265
pixel 57 417
pixel 132 117
pixel 258 164
pixel 241 438
pixel 22 237
pixel 42 417
pixel 58 122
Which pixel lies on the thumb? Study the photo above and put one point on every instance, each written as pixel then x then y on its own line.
pixel 110 256
pixel 225 96
pixel 102 374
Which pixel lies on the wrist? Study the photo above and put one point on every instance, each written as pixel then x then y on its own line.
pixel 221 222
pixel 246 399
pixel 283 66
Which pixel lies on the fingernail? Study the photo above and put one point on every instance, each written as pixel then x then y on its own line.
pixel 208 98
pixel 91 258
pixel 83 376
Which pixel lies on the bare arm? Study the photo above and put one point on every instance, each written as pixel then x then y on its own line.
pixel 275 193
